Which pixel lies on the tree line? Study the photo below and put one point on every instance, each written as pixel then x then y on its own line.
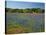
pixel 27 10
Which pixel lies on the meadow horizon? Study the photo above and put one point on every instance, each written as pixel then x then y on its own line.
pixel 24 17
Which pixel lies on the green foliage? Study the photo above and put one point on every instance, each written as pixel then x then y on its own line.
pixel 16 27
pixel 35 10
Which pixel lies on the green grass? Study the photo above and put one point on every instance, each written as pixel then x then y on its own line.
pixel 15 27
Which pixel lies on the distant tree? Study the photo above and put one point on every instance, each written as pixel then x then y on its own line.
pixel 7 9
pixel 27 10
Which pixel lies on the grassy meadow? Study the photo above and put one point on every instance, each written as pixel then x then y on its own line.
pixel 24 20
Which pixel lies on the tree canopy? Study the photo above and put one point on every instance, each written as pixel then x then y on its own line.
pixel 27 10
